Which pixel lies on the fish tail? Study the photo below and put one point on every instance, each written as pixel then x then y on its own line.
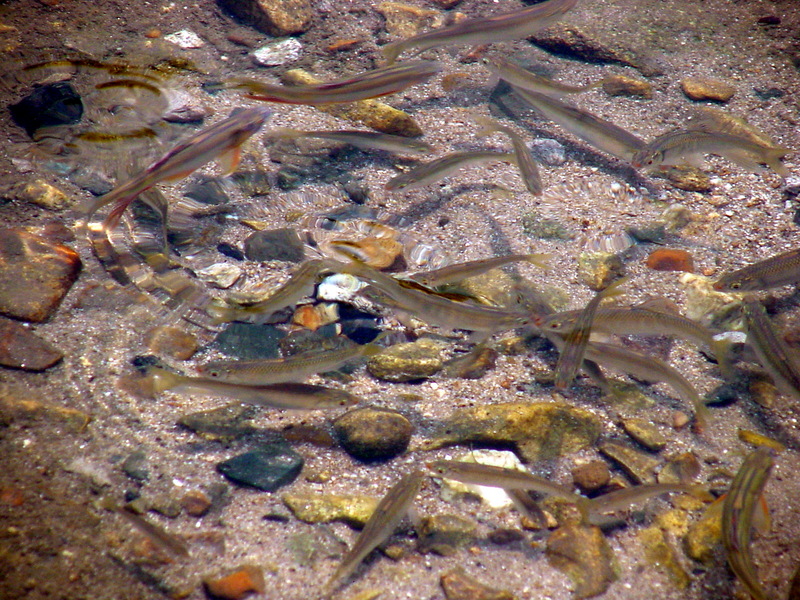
pixel 221 313
pixel 540 260
pixel 701 415
pixel 722 349
pixel 773 160
pixel 392 51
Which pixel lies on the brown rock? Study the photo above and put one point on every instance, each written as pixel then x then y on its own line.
pixel 373 433
pixel 705 88
pixel 196 502
pixel 404 20
pixel 171 342
pixel 583 554
pixel 245 580
pixel 34 274
pixel 687 178
pixel 457 585
pixel 20 348
pixel 621 85
pixel 592 476
pixel 275 17
pixel 670 259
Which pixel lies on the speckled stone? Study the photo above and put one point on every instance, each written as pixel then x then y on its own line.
pixel 598 270
pixel 224 423
pixel 583 554
pixel 706 88
pixel 250 341
pixel 35 274
pixel 42 194
pixel 373 433
pixel 275 17
pixel 407 362
pixel 645 433
pixel 621 85
pixel 537 226
pixel 704 537
pixel 21 348
pixel 405 20
pixel 640 467
pixel 277 53
pixel 267 468
pixel 457 585
pixel 591 477
pixel 444 534
pixel 325 508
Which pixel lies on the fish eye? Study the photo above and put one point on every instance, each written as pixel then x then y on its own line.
pixel 555 325
pixel 735 285
pixel 213 373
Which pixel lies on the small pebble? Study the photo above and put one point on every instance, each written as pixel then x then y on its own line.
pixel 645 433
pixel 444 534
pixel 247 579
pixel 171 342
pixel 621 85
pixel 670 259
pixel 278 53
pixel 278 244
pixel 591 477
pixel 185 39
pixel 706 88
pixel 196 503
pixel 373 433
pixel 21 348
pixel 457 585
pixel 268 468
pixel 407 362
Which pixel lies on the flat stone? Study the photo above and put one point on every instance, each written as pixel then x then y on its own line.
pixel 718 310
pixel 220 275
pixel 645 433
pixel 35 274
pixel 548 152
pixel 42 194
pixel 640 467
pixel 184 107
pixel 373 433
pixel 444 534
pixel 171 342
pixel 312 508
pixel 371 113
pixel 277 53
pixel 249 341
pixel 682 468
pixel 706 88
pixel 275 17
pixel 598 270
pixel 540 430
pixel 494 498
pixel 660 554
pixel 245 580
pixel 583 554
pixel 46 106
pixel 277 244
pixel 704 536
pixel 21 405
pixel 21 348
pixel 268 468
pixel 405 20
pixel 472 365
pixel 224 423
pixel 196 503
pixel 185 39
pixel 457 585
pixel 407 362
pixel 621 85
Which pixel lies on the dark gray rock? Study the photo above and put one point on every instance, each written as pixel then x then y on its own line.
pixel 249 341
pixel 135 466
pixel 268 468
pixel 276 244
pixel 46 106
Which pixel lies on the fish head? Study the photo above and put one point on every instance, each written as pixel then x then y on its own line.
pixel 646 158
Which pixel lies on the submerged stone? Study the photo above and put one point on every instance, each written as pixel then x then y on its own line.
pixel 277 244
pixel 640 467
pixel 275 17
pixel 245 580
pixel 457 585
pixel 599 269
pixel 662 555
pixel 224 423
pixel 248 341
pixel 591 477
pixel 706 88
pixel 407 362
pixel 373 433
pixel 324 508
pixel 268 468
pixel 444 534
pixel 704 536
pixel 21 348
pixel 583 554
pixel 645 433
pixel 46 106
pixel 621 85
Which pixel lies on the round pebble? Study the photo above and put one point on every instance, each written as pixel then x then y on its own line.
pixel 373 433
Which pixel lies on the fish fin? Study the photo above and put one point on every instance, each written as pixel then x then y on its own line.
pixel 762 520
pixel 179 176
pixel 721 349
pixel 701 415
pixel 229 160
pixel 284 133
pixel 540 260
pixel 694 160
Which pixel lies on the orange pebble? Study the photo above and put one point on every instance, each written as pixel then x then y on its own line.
pixel 152 33
pixel 669 259
pixel 340 45
pixel 238 584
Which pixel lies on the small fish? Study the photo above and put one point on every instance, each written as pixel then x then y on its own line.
pixel 528 80
pixel 365 140
pixel 300 285
pixel 299 366
pixel 775 271
pixel 512 25
pixel 738 510
pixel 622 499
pixel 370 84
pixel 575 340
pixel 525 162
pixel 293 396
pixel 460 271
pixel 156 534
pixel 381 524
pixel 772 352
pixel 440 168
pixel 221 141
pixel 598 132
pixel 689 146
pixel 130 84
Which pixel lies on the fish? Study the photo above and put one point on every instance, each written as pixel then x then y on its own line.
pixel 438 310
pixel 525 162
pixel 370 84
pixel 775 271
pixel 513 25
pixel 300 285
pixel 622 499
pixel 156 534
pixel 281 370
pixel 380 525
pixel 221 141
pixel 365 140
pixel 772 352
pixel 687 146
pixel 642 320
pixel 525 79
pixel 292 396
pixel 576 339
pixel 460 271
pixel 598 132
pixel 128 83
pixel 738 510
pixel 433 171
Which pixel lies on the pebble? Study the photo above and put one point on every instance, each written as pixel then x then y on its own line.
pixel 711 308
pixel 621 85
pixel 670 259
pixel 184 107
pixel 21 348
pixel 371 113
pixel 457 585
pixel 583 554
pixel 598 270
pixel 444 534
pixel 682 468
pixel 209 190
pixel 46 106
pixel 315 316
pixel 407 362
pixel 472 365
pixel 135 466
pixel 661 554
pixel 704 537
pixel 19 404
pixel 548 152
pixel 276 244
pixel 42 194
pixel 220 275
pixel 505 536
pixel 171 342
pixel 196 503
pixel 277 53
pixel 314 507
pixel 687 178
pixel 539 430
pixel 640 467
pixel 304 340
pixel 275 17
pixel 35 274
pixel 227 422
pixel 339 287
pixel 373 433
pixel 405 20
pixel 706 88
pixel 249 341
pixel 646 433
pixel 537 226
pixel 245 580
pixel 591 477
pixel 306 548
pixel 267 468
pixel 89 178
pixel 185 39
